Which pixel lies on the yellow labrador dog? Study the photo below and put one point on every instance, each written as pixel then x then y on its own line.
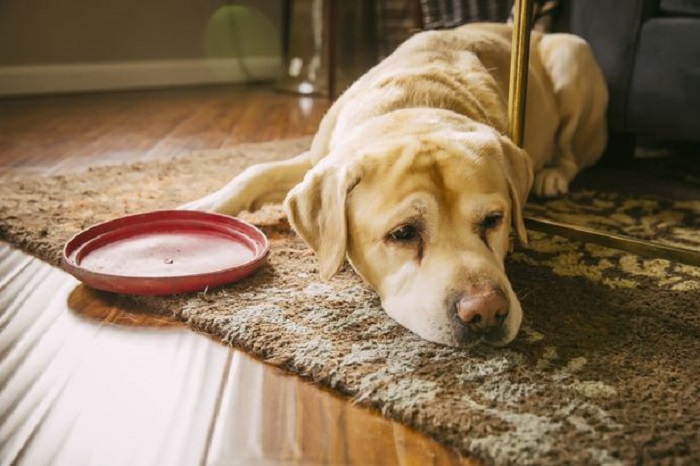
pixel 412 178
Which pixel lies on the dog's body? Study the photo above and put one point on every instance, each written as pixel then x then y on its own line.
pixel 410 174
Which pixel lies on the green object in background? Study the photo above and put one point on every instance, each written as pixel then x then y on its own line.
pixel 245 35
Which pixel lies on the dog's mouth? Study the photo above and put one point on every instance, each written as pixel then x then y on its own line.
pixel 465 337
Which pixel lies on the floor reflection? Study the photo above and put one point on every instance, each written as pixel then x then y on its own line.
pixel 113 309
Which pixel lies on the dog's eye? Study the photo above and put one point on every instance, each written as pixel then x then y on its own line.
pixel 404 233
pixel 491 221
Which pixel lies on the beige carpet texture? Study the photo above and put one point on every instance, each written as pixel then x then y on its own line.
pixel 606 369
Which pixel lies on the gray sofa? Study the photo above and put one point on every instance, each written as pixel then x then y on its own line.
pixel 650 54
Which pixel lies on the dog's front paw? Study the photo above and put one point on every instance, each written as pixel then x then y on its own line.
pixel 550 182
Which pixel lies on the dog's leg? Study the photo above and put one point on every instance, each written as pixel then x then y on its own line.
pixel 255 186
pixel 582 100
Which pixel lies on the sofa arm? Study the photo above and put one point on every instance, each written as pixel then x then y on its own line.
pixel 612 28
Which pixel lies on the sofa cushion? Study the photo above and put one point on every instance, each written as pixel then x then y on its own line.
pixel 680 7
pixel 663 100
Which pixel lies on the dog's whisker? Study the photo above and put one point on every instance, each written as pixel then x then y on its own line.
pixel 522 294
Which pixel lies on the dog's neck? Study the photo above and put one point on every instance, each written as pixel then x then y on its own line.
pixel 423 88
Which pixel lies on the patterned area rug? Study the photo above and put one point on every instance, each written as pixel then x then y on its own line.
pixel 605 370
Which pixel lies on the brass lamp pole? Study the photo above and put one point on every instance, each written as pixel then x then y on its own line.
pixel 519 58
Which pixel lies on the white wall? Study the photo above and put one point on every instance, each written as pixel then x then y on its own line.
pixel 49 46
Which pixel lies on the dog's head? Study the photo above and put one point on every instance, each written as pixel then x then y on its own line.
pixel 424 217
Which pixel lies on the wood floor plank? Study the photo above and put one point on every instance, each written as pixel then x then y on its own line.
pixel 286 420
pixel 206 128
pixel 136 131
pixel 56 128
pixel 77 391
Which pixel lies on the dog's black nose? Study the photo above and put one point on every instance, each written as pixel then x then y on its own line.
pixel 482 308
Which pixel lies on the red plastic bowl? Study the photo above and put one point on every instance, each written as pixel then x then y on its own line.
pixel 165 252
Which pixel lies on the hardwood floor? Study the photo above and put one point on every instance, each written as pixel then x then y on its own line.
pixel 86 380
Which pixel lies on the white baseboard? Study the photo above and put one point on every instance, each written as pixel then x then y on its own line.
pixel 57 79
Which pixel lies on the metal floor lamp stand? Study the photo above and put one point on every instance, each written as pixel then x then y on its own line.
pixel 517 99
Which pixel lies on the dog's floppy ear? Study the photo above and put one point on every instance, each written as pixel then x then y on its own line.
pixel 520 177
pixel 317 211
